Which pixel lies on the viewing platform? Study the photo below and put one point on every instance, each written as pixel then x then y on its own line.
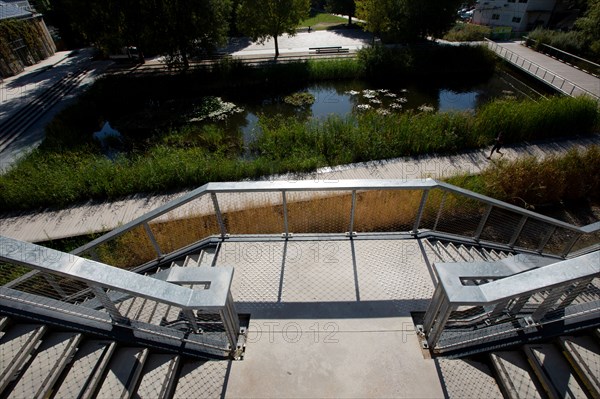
pixel 357 288
pixel 559 75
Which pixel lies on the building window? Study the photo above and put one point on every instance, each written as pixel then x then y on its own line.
pixel 522 1
pixel 516 19
pixel 496 16
pixel 510 1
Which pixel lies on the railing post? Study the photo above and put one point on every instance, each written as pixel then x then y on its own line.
pixel 215 202
pixel 153 239
pixel 420 212
pixel 439 213
pixel 231 322
pixel 482 223
pixel 352 212
pixel 546 239
pixel 518 231
pixel 437 328
pixel 285 214
pixel 570 245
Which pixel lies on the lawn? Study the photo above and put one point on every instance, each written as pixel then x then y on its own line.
pixel 322 20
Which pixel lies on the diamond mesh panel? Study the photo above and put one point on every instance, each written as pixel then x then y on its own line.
pixel 126 251
pixel 435 199
pixel 586 240
pixel 460 215
pixel 558 241
pixel 185 225
pixel 533 234
pixel 252 213
pixel 319 212
pixel 386 210
pixel 500 226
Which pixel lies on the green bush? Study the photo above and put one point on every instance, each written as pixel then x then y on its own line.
pixel 465 32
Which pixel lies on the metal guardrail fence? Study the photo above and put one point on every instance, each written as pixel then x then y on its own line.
pixel 287 209
pixel 162 308
pixel 571 59
pixel 561 84
pixel 478 303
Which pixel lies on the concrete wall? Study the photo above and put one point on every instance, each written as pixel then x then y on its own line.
pixel 520 16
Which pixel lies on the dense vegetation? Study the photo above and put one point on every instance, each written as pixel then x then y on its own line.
pixel 531 182
pixel 56 175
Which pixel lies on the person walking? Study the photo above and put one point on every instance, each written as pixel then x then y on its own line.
pixel 498 142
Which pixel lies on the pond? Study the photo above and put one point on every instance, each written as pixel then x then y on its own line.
pixel 342 98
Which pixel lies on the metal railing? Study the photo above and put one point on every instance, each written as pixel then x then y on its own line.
pixel 558 82
pixel 571 59
pixel 482 302
pixel 285 210
pixel 157 308
pixel 347 207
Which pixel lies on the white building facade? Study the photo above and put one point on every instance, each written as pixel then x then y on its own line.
pixel 520 15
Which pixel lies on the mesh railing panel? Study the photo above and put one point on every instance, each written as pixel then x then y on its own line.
pixel 533 234
pixel 386 210
pixel 435 200
pixel 460 215
pixel 252 213
pixel 319 212
pixel 500 226
pixel 185 225
pixel 559 240
pixel 586 241
pixel 126 251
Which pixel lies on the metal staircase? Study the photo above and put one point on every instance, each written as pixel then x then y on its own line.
pixel 48 362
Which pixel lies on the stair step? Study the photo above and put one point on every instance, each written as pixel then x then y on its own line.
pixel 553 370
pixel 55 352
pixel 467 378
pixel 208 256
pixel 465 253
pixel 87 368
pixel 193 260
pixel 158 377
pixel 147 312
pixel 516 375
pixel 478 254
pixel 123 373
pixel 16 345
pixel 136 307
pixel 584 354
pixel 205 378
pixel 159 313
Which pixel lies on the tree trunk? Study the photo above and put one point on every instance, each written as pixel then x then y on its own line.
pixel 276 46
pixel 349 19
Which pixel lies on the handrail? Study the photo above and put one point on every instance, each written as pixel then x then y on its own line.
pixel 523 294
pixel 527 38
pixel 216 298
pixel 213 191
pixel 574 86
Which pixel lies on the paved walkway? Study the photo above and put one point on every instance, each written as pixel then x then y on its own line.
pixel 529 60
pixel 17 91
pixel 352 39
pixel 99 217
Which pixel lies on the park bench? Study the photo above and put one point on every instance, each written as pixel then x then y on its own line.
pixel 331 49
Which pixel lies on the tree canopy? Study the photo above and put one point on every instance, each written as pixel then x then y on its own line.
pixel 344 7
pixel 408 20
pixel 171 27
pixel 589 24
pixel 263 19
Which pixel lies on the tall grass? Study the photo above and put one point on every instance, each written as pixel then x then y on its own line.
pixel 531 182
pixel 192 158
pixel 466 32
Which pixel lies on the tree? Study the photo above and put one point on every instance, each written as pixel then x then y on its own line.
pixel 589 24
pixel 186 25
pixel 408 20
pixel 344 7
pixel 262 19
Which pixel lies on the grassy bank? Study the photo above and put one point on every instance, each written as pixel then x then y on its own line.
pixel 531 183
pixel 189 157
